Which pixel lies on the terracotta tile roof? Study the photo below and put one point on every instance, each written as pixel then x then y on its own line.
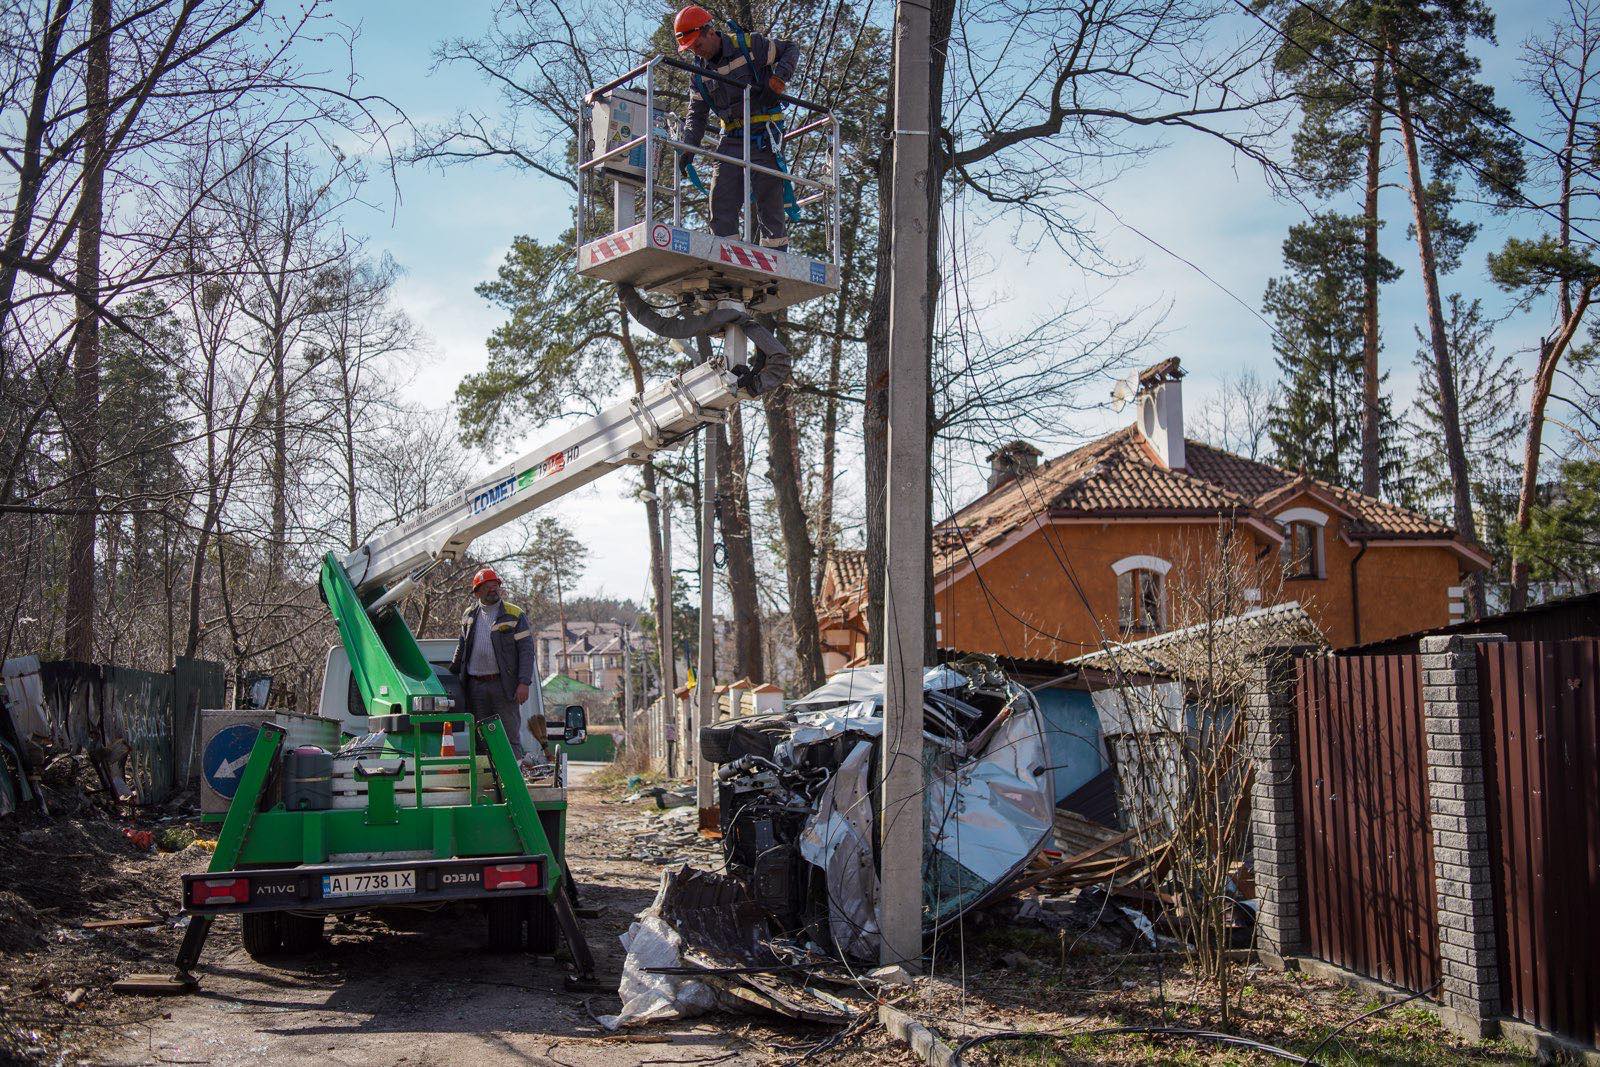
pixel 1119 475
pixel 848 567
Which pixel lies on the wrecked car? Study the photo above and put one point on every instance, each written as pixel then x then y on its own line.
pixel 798 796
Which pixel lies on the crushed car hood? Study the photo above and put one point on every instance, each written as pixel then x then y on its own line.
pixel 798 798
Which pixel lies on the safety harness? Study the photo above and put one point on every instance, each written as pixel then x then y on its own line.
pixel 767 127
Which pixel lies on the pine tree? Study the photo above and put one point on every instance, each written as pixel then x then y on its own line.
pixel 1343 101
pixel 1486 386
pixel 1318 307
pixel 1562 542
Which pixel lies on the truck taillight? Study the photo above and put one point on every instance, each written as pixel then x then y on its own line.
pixel 220 891
pixel 511 876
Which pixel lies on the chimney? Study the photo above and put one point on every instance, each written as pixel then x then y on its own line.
pixel 1158 411
pixel 1010 461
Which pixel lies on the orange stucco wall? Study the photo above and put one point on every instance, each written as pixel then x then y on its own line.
pixel 1026 605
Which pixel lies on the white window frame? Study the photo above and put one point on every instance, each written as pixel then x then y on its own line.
pixel 1142 563
pixel 1311 517
pixel 1153 565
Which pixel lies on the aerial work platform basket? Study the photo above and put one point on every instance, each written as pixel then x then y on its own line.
pixel 644 237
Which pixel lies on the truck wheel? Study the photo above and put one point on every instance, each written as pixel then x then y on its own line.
pixel 301 933
pixel 262 934
pixel 505 925
pixel 544 933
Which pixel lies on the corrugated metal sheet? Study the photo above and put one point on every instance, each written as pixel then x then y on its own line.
pixel 1542 761
pixel 1361 790
pixel 1554 620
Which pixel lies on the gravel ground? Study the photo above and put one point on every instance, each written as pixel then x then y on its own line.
pixel 433 995
pixel 429 995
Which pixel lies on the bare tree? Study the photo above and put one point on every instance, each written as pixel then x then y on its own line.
pixel 1036 105
pixel 1237 416
pixel 1563 70
pixel 105 115
pixel 353 341
pixel 1180 734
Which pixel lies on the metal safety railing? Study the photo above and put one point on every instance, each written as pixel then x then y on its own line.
pixel 632 162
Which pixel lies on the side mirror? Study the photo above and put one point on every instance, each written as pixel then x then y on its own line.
pixel 576 730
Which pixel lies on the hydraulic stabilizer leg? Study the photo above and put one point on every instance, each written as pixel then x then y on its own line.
pixel 582 959
pixel 194 939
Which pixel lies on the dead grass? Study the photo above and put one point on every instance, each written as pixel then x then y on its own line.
pixel 1290 1010
pixel 55 976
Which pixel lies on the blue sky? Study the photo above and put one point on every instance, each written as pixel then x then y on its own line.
pixel 449 231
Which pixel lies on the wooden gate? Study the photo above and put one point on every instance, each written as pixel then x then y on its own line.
pixel 1366 857
pixel 1541 718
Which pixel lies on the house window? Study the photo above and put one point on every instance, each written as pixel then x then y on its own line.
pixel 1302 550
pixel 1139 600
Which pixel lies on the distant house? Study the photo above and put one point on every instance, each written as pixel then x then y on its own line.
pixel 1054 555
pixel 592 652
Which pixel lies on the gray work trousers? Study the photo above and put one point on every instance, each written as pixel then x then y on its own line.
pixel 487 699
pixel 727 194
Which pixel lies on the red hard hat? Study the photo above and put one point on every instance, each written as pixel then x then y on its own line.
pixel 689 23
pixel 487 574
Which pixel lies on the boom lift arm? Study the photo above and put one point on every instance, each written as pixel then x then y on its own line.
pixel 362 588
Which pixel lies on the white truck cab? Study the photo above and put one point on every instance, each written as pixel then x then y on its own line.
pixel 342 701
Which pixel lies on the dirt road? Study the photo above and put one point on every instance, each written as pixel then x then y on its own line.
pixel 433 995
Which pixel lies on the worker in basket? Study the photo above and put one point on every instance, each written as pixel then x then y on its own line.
pixel 767 66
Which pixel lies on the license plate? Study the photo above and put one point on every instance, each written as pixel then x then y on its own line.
pixel 368 883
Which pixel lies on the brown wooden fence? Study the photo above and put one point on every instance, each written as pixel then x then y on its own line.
pixel 1362 793
pixel 1541 718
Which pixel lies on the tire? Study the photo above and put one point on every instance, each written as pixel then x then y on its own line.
pixel 301 933
pixel 262 934
pixel 504 925
pixel 544 932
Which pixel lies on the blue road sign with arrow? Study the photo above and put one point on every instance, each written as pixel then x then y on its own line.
pixel 225 756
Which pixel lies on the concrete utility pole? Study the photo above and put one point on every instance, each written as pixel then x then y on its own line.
pixel 900 808
pixel 705 677
pixel 627 679
pixel 668 651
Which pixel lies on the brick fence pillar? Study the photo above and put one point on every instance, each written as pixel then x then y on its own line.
pixel 1274 834
pixel 1463 880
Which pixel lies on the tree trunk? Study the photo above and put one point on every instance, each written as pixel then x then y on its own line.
pixel 1371 447
pixel 733 515
pixel 1449 409
pixel 85 431
pixel 1543 382
pixel 660 578
pixel 783 470
pixel 197 570
pixel 278 536
pixel 350 461
pixel 830 411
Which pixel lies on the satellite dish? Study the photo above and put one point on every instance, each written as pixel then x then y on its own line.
pixel 1121 393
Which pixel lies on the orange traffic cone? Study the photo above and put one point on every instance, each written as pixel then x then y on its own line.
pixel 447 740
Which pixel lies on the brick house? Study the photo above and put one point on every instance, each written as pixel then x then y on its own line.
pixel 592 652
pixel 1053 555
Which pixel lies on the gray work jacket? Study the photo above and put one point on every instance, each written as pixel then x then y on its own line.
pixel 773 57
pixel 513 647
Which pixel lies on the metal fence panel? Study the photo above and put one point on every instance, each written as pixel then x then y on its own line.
pixel 1541 720
pixel 196 684
pixel 142 702
pixel 1362 797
